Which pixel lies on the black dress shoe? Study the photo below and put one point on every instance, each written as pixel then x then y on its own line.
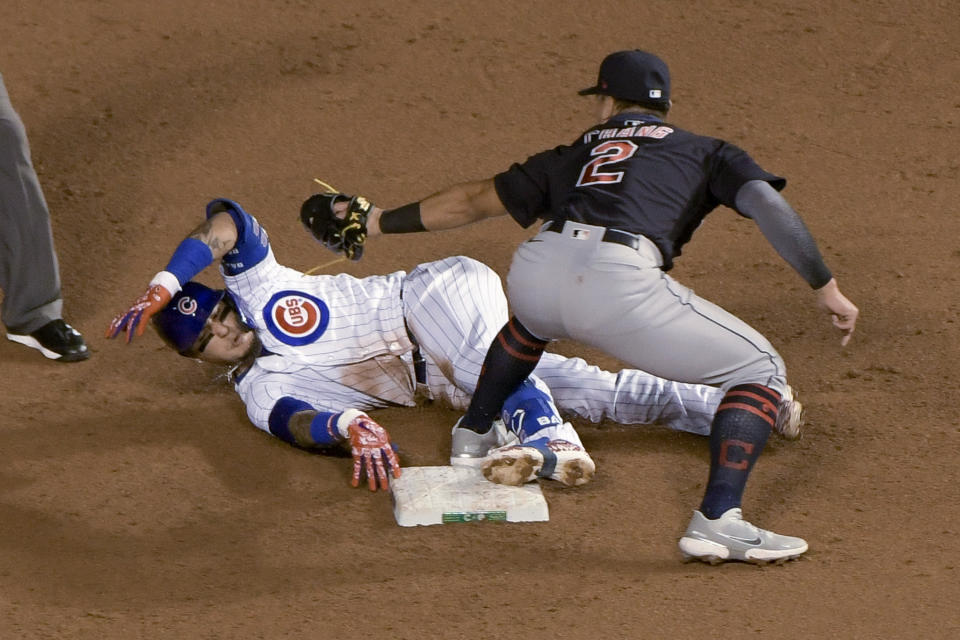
pixel 56 340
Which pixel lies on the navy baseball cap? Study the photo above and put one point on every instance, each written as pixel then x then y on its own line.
pixel 181 321
pixel 634 76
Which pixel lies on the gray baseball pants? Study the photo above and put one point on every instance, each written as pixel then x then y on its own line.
pixel 29 273
pixel 574 285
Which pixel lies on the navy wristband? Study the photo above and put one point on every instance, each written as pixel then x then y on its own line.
pixel 191 257
pixel 323 426
pixel 279 420
pixel 405 219
pixel 323 429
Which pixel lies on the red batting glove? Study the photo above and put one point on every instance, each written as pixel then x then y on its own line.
pixel 370 447
pixel 135 318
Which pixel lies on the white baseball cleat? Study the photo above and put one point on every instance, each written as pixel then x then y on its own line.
pixel 730 537
pixel 558 460
pixel 790 419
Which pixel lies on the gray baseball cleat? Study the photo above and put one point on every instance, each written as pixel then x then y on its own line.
pixel 730 537
pixel 468 448
pixel 790 419
pixel 558 460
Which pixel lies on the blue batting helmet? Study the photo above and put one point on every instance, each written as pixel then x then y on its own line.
pixel 182 320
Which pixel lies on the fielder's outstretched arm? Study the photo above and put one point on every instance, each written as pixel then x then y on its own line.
pixel 457 206
pixel 785 231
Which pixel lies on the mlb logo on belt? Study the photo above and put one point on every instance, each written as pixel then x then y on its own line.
pixel 296 318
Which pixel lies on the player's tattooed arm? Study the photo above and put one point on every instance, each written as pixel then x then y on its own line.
pixel 306 434
pixel 300 428
pixel 219 232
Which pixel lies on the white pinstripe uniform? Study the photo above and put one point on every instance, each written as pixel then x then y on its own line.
pixel 340 342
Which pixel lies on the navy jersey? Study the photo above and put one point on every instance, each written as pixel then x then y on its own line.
pixel 634 173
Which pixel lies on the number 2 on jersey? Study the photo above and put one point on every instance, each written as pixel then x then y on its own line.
pixel 606 153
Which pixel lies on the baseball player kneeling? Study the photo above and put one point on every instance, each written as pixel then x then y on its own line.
pixel 616 206
pixel 310 355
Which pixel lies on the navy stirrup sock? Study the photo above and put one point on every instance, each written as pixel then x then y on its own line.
pixel 511 358
pixel 740 429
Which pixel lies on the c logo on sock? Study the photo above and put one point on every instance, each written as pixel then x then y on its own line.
pixel 725 449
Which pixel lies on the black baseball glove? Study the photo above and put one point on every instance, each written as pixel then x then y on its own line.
pixel 344 232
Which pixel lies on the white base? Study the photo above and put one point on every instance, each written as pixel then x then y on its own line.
pixel 444 495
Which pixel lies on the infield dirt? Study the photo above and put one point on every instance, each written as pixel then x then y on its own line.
pixel 136 501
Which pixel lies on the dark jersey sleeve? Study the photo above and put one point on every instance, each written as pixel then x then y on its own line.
pixel 732 168
pixel 523 188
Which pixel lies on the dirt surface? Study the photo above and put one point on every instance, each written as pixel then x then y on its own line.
pixel 137 502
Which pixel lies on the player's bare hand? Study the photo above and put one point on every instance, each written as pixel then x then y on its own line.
pixel 134 319
pixel 842 312
pixel 371 449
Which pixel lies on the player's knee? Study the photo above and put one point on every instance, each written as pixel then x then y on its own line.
pixel 767 368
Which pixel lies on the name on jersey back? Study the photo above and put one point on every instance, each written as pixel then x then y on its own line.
pixel 657 132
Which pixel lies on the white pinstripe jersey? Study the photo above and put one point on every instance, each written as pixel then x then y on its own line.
pixel 336 341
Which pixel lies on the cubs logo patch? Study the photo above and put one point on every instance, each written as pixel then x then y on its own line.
pixel 296 318
pixel 187 306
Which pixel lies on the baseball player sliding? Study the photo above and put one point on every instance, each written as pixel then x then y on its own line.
pixel 618 204
pixel 310 355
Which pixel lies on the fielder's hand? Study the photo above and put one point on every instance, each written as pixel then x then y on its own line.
pixel 134 319
pixel 843 312
pixel 370 447
pixel 337 220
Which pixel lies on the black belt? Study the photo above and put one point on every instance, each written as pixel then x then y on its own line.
pixel 610 235
pixel 419 364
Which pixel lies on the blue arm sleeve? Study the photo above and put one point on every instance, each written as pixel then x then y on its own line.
pixel 279 421
pixel 252 242
pixel 190 258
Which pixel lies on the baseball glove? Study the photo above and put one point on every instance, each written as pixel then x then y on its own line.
pixel 343 232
